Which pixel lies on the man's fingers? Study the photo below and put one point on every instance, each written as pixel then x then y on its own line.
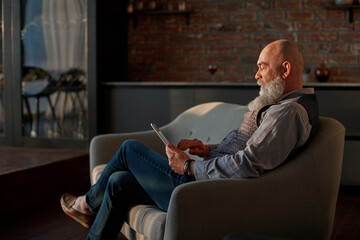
pixel 170 149
pixel 196 151
pixel 185 144
pixel 170 145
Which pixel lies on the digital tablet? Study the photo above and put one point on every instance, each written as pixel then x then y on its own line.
pixel 159 133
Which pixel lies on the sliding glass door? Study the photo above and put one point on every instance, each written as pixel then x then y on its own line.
pixel 47 72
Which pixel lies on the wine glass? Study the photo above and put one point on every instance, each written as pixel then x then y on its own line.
pixel 212 69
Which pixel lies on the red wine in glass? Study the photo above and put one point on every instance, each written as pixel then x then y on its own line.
pixel 212 69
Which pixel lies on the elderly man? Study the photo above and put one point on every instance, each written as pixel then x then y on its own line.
pixel 281 120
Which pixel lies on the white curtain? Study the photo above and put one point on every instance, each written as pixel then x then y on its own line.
pixel 54 35
pixel 64 24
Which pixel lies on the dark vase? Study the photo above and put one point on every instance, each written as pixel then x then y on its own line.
pixel 322 73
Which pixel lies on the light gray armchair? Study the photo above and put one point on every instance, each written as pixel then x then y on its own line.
pixel 295 201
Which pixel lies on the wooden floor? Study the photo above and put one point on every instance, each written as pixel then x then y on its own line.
pixel 43 223
pixel 46 221
pixel 31 183
pixel 29 176
pixel 347 216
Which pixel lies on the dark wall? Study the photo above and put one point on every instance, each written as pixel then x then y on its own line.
pixel 112 23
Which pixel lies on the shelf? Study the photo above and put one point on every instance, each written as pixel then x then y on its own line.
pixel 142 13
pixel 346 7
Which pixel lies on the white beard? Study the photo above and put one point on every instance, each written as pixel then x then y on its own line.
pixel 269 94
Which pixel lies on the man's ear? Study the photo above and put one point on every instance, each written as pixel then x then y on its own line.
pixel 286 67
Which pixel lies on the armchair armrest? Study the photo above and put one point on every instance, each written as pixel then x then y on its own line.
pixel 265 206
pixel 221 207
pixel 103 147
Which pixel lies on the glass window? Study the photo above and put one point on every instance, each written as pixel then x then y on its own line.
pixel 54 68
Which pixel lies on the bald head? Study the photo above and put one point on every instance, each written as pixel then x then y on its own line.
pixel 285 60
pixel 289 51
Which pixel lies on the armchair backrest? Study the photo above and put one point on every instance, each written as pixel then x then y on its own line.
pixel 208 122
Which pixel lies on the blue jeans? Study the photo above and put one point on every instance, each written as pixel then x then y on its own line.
pixel 135 175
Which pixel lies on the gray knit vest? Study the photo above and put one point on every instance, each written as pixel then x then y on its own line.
pixel 236 139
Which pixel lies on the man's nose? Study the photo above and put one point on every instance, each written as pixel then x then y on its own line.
pixel 257 75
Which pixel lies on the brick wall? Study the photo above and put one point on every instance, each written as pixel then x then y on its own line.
pixel 231 34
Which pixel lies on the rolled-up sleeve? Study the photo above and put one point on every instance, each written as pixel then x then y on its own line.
pixel 283 128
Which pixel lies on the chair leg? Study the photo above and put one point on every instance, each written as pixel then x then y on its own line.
pixel 62 116
pixel 56 122
pixel 37 100
pixel 27 105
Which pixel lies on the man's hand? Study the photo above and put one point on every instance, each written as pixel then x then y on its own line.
pixel 177 158
pixel 195 146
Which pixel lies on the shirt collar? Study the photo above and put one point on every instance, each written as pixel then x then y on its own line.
pixel 297 93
